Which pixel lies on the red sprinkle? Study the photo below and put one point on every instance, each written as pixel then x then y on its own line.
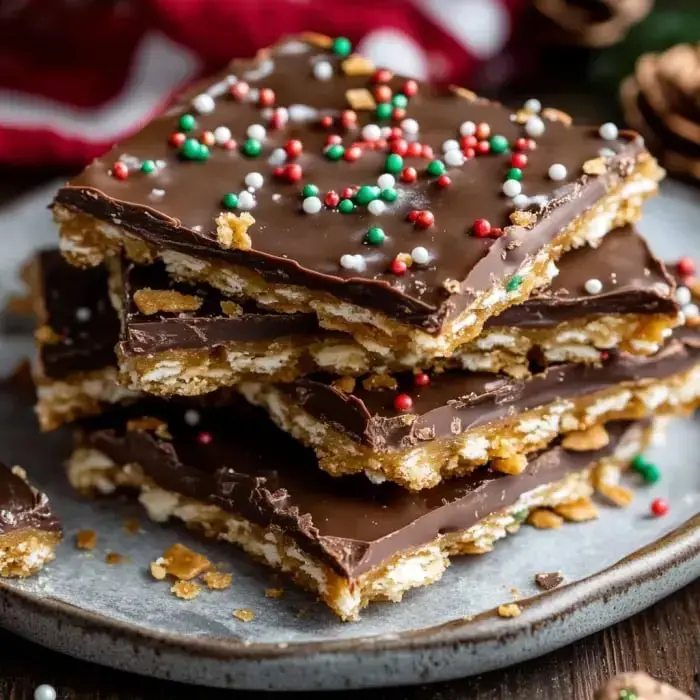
pixel 348 118
pixel 266 98
pixel 293 172
pixel 347 192
pixel 421 379
pixel 382 75
pixel 427 152
pixel 398 114
pixel 204 438
pixel 333 139
pixel 468 152
pixel 659 507
pixel 332 199
pixel 686 266
pixel 353 153
pixel 482 148
pixel 120 171
pixel 398 267
pixel 413 214
pixel 230 144
pixel 396 133
pixel 382 93
pixel 279 119
pixel 444 181
pixel 518 160
pixel 409 175
pixel 177 139
pixel 495 232
pixel 278 172
pixel 414 149
pixel 239 90
pixel 293 148
pixel 425 219
pixel 468 141
pixel 403 402
pixel 399 146
pixel 522 144
pixel 207 138
pixel 410 88
pixel 327 122
pixel 483 131
pixel 481 228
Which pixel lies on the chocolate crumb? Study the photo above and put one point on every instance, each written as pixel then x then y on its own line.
pixel 86 539
pixel 114 558
pixel 548 581
pixel 274 593
pixel 131 526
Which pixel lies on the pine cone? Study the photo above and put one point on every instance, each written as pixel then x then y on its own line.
pixel 661 100
pixel 592 23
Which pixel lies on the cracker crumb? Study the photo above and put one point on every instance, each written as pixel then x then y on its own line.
pixel 131 526
pixel 578 511
pixel 231 230
pixel 47 335
pixel 544 519
pixel 358 65
pixel 464 93
pixel 452 286
pixel 595 438
pixel 159 427
pixel 523 218
pixel 556 115
pixel 619 495
pixel 152 301
pixel 379 382
pixel 320 40
pixel 274 593
pixel 549 580
pixel 510 465
pixel 186 590
pixel 344 384
pixel 360 99
pixel 18 471
pixel 183 563
pixel 114 558
pixel 158 570
pixel 509 610
pixel 244 615
pixel 217 580
pixel 230 308
pixel 595 166
pixel 474 548
pixel 86 539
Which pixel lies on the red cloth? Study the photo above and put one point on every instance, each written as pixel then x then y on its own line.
pixel 78 75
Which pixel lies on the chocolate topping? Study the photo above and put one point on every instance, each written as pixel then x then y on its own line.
pixel 23 507
pixel 474 399
pixel 75 305
pixel 251 468
pixel 206 327
pixel 175 207
pixel 634 282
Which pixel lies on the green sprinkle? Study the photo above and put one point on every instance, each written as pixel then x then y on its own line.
pixel 187 122
pixel 148 167
pixel 626 694
pixel 651 474
pixel 230 200
pixel 193 150
pixel 389 194
pixel 514 174
pixel 499 144
pixel 639 463
pixel 436 168
pixel 393 163
pixel 384 111
pixel 400 101
pixel 335 152
pixel 346 206
pixel 251 148
pixel 375 236
pixel 513 283
pixel 342 46
pixel 365 195
pixel 310 191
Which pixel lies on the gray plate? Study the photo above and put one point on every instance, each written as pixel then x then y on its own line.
pixel 119 616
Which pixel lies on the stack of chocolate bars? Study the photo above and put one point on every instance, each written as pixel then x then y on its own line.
pixel 357 325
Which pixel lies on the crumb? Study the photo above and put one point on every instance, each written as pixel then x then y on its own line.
pixel 230 308
pixel 452 286
pixel 515 593
pixel 619 495
pixel 274 592
pixel 232 230
pixel 556 115
pixel 186 590
pixel 183 563
pixel 523 218
pixel 159 427
pixel 594 438
pixel 217 580
pixel 113 558
pixel 578 511
pixel 510 465
pixel 152 301
pixel 86 539
pixel 548 581
pixel 47 335
pixel 158 570
pixel 131 526
pixel 244 615
pixel 544 519
pixel 344 384
pixel 509 610
pixel 358 65
pixel 360 99
pixel 378 382
pixel 18 471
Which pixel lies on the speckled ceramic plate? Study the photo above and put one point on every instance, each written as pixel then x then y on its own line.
pixel 118 616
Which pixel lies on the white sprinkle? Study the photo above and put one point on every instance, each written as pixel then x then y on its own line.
pixel 593 286
pixel 557 172
pixel 539 199
pixel 276 197
pixel 683 296
pixel 467 129
pixel 534 127
pixel 222 135
pixel 323 70
pixel 533 105
pixel 302 113
pixel 253 95
pixel 192 417
pixel 353 262
pixel 204 103
pixel 608 131
pixel 376 207
pixel 690 310
pixel 83 314
pixel 371 132
pixel 157 193
pixel 386 132
pixel 511 188
pixel 386 181
pixel 277 157
pixel 450 145
pixel 256 131
pixel 410 126
pixel 254 180
pixel 520 201
pixel 262 70
pixel 312 205
pixel 454 158
pixel 420 255
pixel 606 153
pixel 246 200
pixel 45 692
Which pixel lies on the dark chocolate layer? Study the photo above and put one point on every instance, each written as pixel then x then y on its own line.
pixel 22 507
pixel 634 281
pixel 205 328
pixel 75 305
pixel 176 206
pixel 253 469
pixel 456 401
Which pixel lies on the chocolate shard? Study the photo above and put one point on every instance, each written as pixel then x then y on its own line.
pixel 23 507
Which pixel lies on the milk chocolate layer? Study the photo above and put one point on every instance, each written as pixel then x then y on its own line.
pixel 23 507
pixel 473 399
pixel 175 206
pixel 253 469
